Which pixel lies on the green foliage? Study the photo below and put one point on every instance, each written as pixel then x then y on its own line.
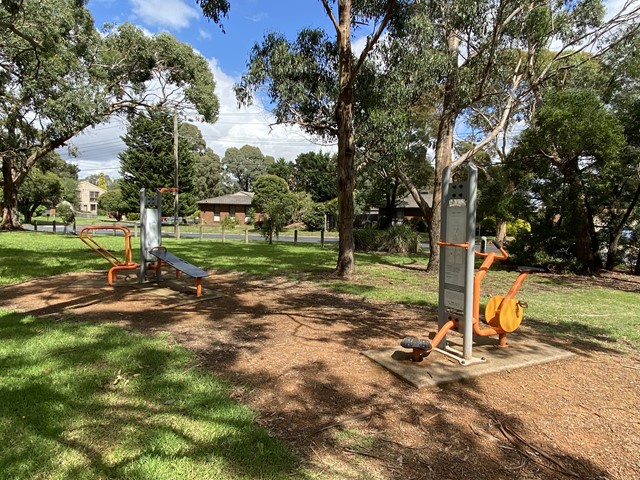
pixel 65 213
pixel 61 76
pixel 113 202
pixel 282 169
pixel 514 227
pixel 316 173
pixel 148 162
pixel 314 218
pixel 396 239
pixel 245 164
pixel 569 153
pixel 229 223
pixel 275 202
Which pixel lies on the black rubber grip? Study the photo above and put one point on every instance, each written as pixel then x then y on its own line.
pixel 497 244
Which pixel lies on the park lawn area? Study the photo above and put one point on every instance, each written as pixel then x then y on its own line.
pixel 91 401
pixel 575 308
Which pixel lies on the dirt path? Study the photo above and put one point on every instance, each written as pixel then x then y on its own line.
pixel 292 351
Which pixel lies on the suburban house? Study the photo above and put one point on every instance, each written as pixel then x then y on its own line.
pixel 235 205
pixel 88 194
pixel 407 209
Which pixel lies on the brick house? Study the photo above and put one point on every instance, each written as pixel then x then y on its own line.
pixel 214 210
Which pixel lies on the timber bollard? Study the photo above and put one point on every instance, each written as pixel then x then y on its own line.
pixel 54 226
pixel 322 238
pixel 200 230
pixel 246 235
pixel 295 236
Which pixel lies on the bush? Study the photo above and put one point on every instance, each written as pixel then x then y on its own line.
pixel 314 218
pixel 65 213
pixel 229 223
pixel 517 226
pixel 400 239
pixel 133 217
pixel 367 239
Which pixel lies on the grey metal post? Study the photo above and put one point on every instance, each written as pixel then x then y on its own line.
pixel 470 195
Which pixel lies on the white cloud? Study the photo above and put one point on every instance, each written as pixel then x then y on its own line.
pixel 174 14
pixel 252 126
pixel 98 147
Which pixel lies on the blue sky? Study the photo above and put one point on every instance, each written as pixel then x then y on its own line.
pixel 227 53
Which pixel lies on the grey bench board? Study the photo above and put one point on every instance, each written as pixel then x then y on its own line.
pixel 178 263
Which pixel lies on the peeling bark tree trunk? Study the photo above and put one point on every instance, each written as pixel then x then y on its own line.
pixel 501 231
pixel 346 145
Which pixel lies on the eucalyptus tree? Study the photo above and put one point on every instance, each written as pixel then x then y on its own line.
pixel 245 164
pixel 484 63
pixel 313 83
pixel 61 76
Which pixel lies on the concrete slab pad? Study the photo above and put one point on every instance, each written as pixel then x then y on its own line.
pixel 437 368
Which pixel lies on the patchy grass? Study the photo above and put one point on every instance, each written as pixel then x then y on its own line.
pixel 95 401
pixel 577 308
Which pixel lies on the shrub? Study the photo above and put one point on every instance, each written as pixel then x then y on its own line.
pixel 314 218
pixel 65 212
pixel 400 239
pixel 133 217
pixel 367 239
pixel 229 223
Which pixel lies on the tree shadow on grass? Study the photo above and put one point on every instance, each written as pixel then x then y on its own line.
pixel 94 399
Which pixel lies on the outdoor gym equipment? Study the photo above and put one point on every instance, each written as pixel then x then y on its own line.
pixel 127 264
pixel 153 256
pixel 459 288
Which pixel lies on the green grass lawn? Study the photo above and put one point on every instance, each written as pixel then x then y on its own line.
pixel 89 401
pixel 80 400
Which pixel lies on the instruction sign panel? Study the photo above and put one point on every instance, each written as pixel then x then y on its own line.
pixel 453 299
pixel 455 257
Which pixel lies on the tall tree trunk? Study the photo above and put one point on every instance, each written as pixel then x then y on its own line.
pixel 346 145
pixel 10 217
pixel 444 148
pixel 501 231
pixel 579 220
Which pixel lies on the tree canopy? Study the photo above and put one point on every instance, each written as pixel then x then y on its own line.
pixel 61 76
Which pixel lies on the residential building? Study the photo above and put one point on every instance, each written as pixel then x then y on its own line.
pixel 88 194
pixel 235 205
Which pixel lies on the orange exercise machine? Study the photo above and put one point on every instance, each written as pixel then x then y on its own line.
pixel 502 314
pixel 459 287
pixel 153 256
pixel 86 235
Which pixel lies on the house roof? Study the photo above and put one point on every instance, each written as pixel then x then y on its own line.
pixel 409 202
pixel 88 185
pixel 238 198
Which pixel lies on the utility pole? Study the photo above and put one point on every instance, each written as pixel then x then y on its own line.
pixel 176 226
